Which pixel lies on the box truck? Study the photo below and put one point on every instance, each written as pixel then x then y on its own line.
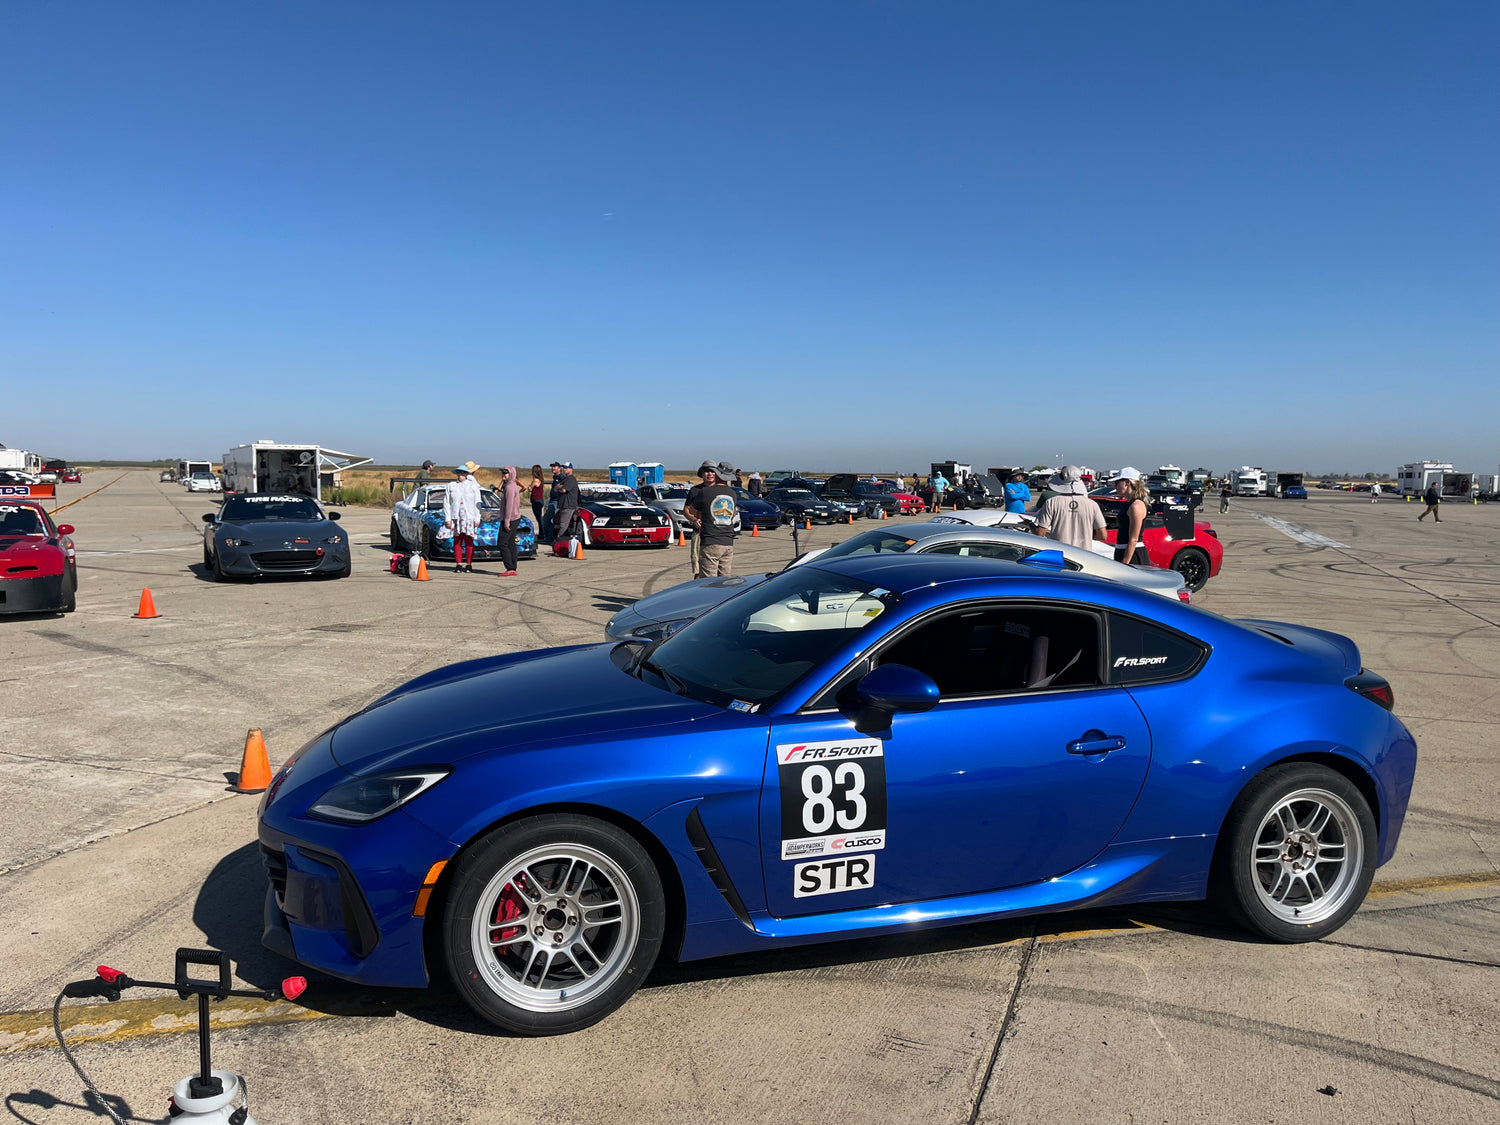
pixel 1250 481
pixel 273 466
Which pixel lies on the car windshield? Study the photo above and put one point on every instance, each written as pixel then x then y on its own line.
pixel 19 519
pixel 617 495
pixel 796 494
pixel 200 475
pixel 671 493
pixel 871 543
pixel 747 651
pixel 244 509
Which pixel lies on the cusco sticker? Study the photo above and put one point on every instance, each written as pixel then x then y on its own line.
pixel 833 798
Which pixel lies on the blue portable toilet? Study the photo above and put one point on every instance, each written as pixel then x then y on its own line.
pixel 623 472
pixel 652 472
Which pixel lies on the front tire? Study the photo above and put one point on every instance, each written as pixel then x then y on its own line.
pixel 552 923
pixel 398 542
pixel 1298 854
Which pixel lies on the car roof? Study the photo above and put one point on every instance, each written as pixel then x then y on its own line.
pixel 908 572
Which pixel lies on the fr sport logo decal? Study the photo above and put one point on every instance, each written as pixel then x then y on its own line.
pixel 832 799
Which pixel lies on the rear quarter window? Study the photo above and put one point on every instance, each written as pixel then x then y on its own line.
pixel 1141 652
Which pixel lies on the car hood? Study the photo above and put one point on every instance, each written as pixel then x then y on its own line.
pixel 502 703
pixel 273 531
pixel 691 599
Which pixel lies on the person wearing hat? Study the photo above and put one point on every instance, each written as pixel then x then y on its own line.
pixel 1070 514
pixel 1017 494
pixel 1131 487
pixel 461 514
pixel 565 492
pixel 424 474
pixel 711 508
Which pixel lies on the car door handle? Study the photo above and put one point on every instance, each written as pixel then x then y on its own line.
pixel 1096 742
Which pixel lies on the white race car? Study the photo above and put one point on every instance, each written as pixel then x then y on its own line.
pixel 201 481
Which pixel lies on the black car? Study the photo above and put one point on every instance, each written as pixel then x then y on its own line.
pixel 876 498
pixel 259 535
pixel 802 504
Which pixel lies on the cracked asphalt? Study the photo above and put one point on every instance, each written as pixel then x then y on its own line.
pixel 120 841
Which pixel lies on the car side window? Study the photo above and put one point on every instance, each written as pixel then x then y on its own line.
pixel 1007 552
pixel 1141 652
pixel 1001 649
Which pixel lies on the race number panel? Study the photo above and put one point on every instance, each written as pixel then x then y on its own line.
pixel 832 797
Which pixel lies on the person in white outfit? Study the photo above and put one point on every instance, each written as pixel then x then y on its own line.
pixel 461 515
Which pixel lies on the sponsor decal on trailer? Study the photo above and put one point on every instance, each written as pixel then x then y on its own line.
pixel 833 797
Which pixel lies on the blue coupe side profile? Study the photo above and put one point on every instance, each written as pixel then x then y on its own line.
pixel 857 746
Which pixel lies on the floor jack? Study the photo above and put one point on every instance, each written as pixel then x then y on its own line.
pixel 210 1095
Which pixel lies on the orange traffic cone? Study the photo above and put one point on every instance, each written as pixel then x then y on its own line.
pixel 681 537
pixel 755 531
pixel 148 606
pixel 883 515
pixel 255 767
pixel 849 517
pixel 579 556
pixel 422 575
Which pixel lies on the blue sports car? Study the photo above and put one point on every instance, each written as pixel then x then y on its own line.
pixel 417 519
pixel 860 746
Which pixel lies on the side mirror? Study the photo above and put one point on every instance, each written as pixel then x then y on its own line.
pixel 65 529
pixel 892 689
pixel 208 517
pixel 333 515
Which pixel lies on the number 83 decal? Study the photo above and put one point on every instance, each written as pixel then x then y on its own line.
pixel 832 797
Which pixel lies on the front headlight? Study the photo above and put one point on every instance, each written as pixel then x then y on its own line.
pixel 660 630
pixel 362 799
pixel 236 542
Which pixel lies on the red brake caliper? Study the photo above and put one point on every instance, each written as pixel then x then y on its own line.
pixel 508 908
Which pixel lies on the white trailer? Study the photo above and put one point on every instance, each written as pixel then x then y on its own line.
pixel 1413 478
pixel 186 468
pixel 20 460
pixel 273 466
pixel 1250 481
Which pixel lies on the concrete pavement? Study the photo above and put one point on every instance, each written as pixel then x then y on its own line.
pixel 123 843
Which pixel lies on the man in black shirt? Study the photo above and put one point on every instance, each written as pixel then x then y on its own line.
pixel 565 492
pixel 1432 498
pixel 711 508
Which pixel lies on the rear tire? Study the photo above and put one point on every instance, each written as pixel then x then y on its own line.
pixel 1297 854
pixel 69 591
pixel 1192 563
pixel 579 892
pixel 398 542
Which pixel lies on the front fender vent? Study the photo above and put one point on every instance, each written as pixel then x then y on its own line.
pixel 698 836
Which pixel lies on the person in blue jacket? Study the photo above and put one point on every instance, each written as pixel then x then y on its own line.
pixel 1017 494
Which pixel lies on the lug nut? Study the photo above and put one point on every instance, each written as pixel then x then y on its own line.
pixel 539 931
pixel 572 920
pixel 557 939
pixel 562 902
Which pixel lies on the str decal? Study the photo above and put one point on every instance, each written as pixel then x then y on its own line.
pixel 830 876
pixel 832 798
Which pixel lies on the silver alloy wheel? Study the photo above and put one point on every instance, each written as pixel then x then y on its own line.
pixel 555 927
pixel 1307 856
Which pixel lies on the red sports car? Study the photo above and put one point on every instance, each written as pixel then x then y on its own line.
pixel 38 567
pixel 71 476
pixel 614 514
pixel 910 503
pixel 1197 557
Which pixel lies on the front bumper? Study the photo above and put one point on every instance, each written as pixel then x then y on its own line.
pixel 31 595
pixel 630 536
pixel 320 913
pixel 269 562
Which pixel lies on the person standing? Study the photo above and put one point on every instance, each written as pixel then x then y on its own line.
pixel 1128 546
pixel 711 508
pixel 510 516
pixel 424 474
pixel 1070 514
pixel 1375 493
pixel 566 493
pixel 538 496
pixel 939 486
pixel 549 513
pixel 1432 498
pixel 755 484
pixel 461 515
pixel 1226 490
pixel 1017 494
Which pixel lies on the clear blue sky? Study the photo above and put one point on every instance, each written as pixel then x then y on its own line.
pixel 814 234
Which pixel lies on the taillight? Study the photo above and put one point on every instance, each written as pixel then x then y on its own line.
pixel 1184 595
pixel 1374 688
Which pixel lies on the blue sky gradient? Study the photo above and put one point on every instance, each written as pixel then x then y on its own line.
pixel 821 235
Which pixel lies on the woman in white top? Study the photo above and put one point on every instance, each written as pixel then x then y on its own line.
pixel 461 515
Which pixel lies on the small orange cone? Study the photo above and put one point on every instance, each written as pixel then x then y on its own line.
pixel 681 537
pixel 579 556
pixel 849 517
pixel 883 515
pixel 422 575
pixel 807 526
pixel 255 767
pixel 148 606
pixel 755 531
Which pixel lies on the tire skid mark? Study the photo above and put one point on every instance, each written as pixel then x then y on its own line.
pixel 1383 1057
